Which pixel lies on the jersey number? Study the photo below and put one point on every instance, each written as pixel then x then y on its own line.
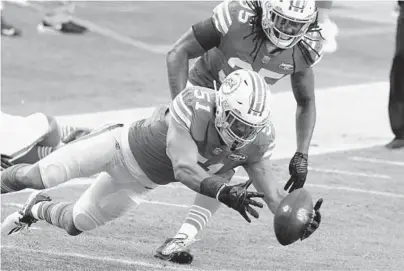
pixel 244 16
pixel 202 95
pixel 237 63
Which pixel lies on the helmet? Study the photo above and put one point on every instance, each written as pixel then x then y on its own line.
pixel 286 21
pixel 242 107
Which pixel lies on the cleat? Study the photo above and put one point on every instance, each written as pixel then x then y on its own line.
pixel 396 143
pixel 23 218
pixel 69 27
pixel 175 250
pixel 10 31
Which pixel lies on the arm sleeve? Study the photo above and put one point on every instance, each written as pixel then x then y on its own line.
pixel 206 34
pixel 181 112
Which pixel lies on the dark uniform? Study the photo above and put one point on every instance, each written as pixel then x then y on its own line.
pixel 232 20
pixel 396 101
pixel 194 109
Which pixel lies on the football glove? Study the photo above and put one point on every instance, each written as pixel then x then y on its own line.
pixel 298 172
pixel 315 221
pixel 238 198
pixel 5 161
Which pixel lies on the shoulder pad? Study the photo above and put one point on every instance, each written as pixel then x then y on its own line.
pixel 193 106
pixel 227 13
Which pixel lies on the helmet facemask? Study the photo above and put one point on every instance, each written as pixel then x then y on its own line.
pixel 282 30
pixel 233 130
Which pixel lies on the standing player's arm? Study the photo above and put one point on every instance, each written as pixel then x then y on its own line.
pixel 303 90
pixel 264 181
pixel 200 38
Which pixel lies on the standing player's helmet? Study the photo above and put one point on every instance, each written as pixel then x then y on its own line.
pixel 242 108
pixel 286 21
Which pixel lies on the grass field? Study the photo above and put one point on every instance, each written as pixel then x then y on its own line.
pixel 363 189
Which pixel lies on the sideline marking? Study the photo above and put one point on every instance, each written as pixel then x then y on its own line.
pixel 238 177
pixel 377 161
pixel 164 266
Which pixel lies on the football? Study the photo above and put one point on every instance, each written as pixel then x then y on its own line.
pixel 292 216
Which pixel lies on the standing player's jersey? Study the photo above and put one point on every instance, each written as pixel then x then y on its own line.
pixel 235 51
pixel 194 109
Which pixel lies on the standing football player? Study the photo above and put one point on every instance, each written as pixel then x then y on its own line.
pixel 396 98
pixel 272 37
pixel 203 134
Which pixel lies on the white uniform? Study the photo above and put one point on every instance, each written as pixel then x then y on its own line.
pixel 19 134
pixel 115 190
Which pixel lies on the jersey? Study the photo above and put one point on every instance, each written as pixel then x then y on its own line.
pixel 232 19
pixel 194 109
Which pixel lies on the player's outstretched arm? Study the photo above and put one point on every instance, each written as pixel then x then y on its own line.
pixel 303 90
pixel 183 152
pixel 200 38
pixel 264 181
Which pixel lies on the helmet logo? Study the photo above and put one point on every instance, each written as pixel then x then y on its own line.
pixel 266 23
pixel 217 151
pixel 231 84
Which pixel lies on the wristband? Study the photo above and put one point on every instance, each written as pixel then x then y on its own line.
pixel 211 186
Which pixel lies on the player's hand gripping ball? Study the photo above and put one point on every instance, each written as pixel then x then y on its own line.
pixel 296 218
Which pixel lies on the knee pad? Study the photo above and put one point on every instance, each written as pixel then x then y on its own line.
pixel 83 218
pixel 90 214
pixel 52 174
pixel 68 223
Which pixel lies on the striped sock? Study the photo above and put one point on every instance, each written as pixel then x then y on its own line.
pixel 195 221
pixel 64 130
pixel 200 214
pixel 45 151
pixel 9 181
pixel 59 214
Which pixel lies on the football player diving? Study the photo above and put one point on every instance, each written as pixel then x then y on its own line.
pixel 275 38
pixel 178 143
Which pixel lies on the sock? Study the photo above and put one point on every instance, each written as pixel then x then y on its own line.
pixel 201 212
pixel 9 181
pixel 44 151
pixel 64 130
pixel 59 214
pixel 198 216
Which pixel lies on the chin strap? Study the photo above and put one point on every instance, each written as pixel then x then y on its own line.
pixel 233 147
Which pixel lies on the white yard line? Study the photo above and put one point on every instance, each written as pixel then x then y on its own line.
pixel 99 259
pixel 344 188
pixel 106 32
pixel 236 177
pixel 376 161
pixel 349 173
pixel 163 48
pixel 357 190
pixel 153 202
pixel 338 128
